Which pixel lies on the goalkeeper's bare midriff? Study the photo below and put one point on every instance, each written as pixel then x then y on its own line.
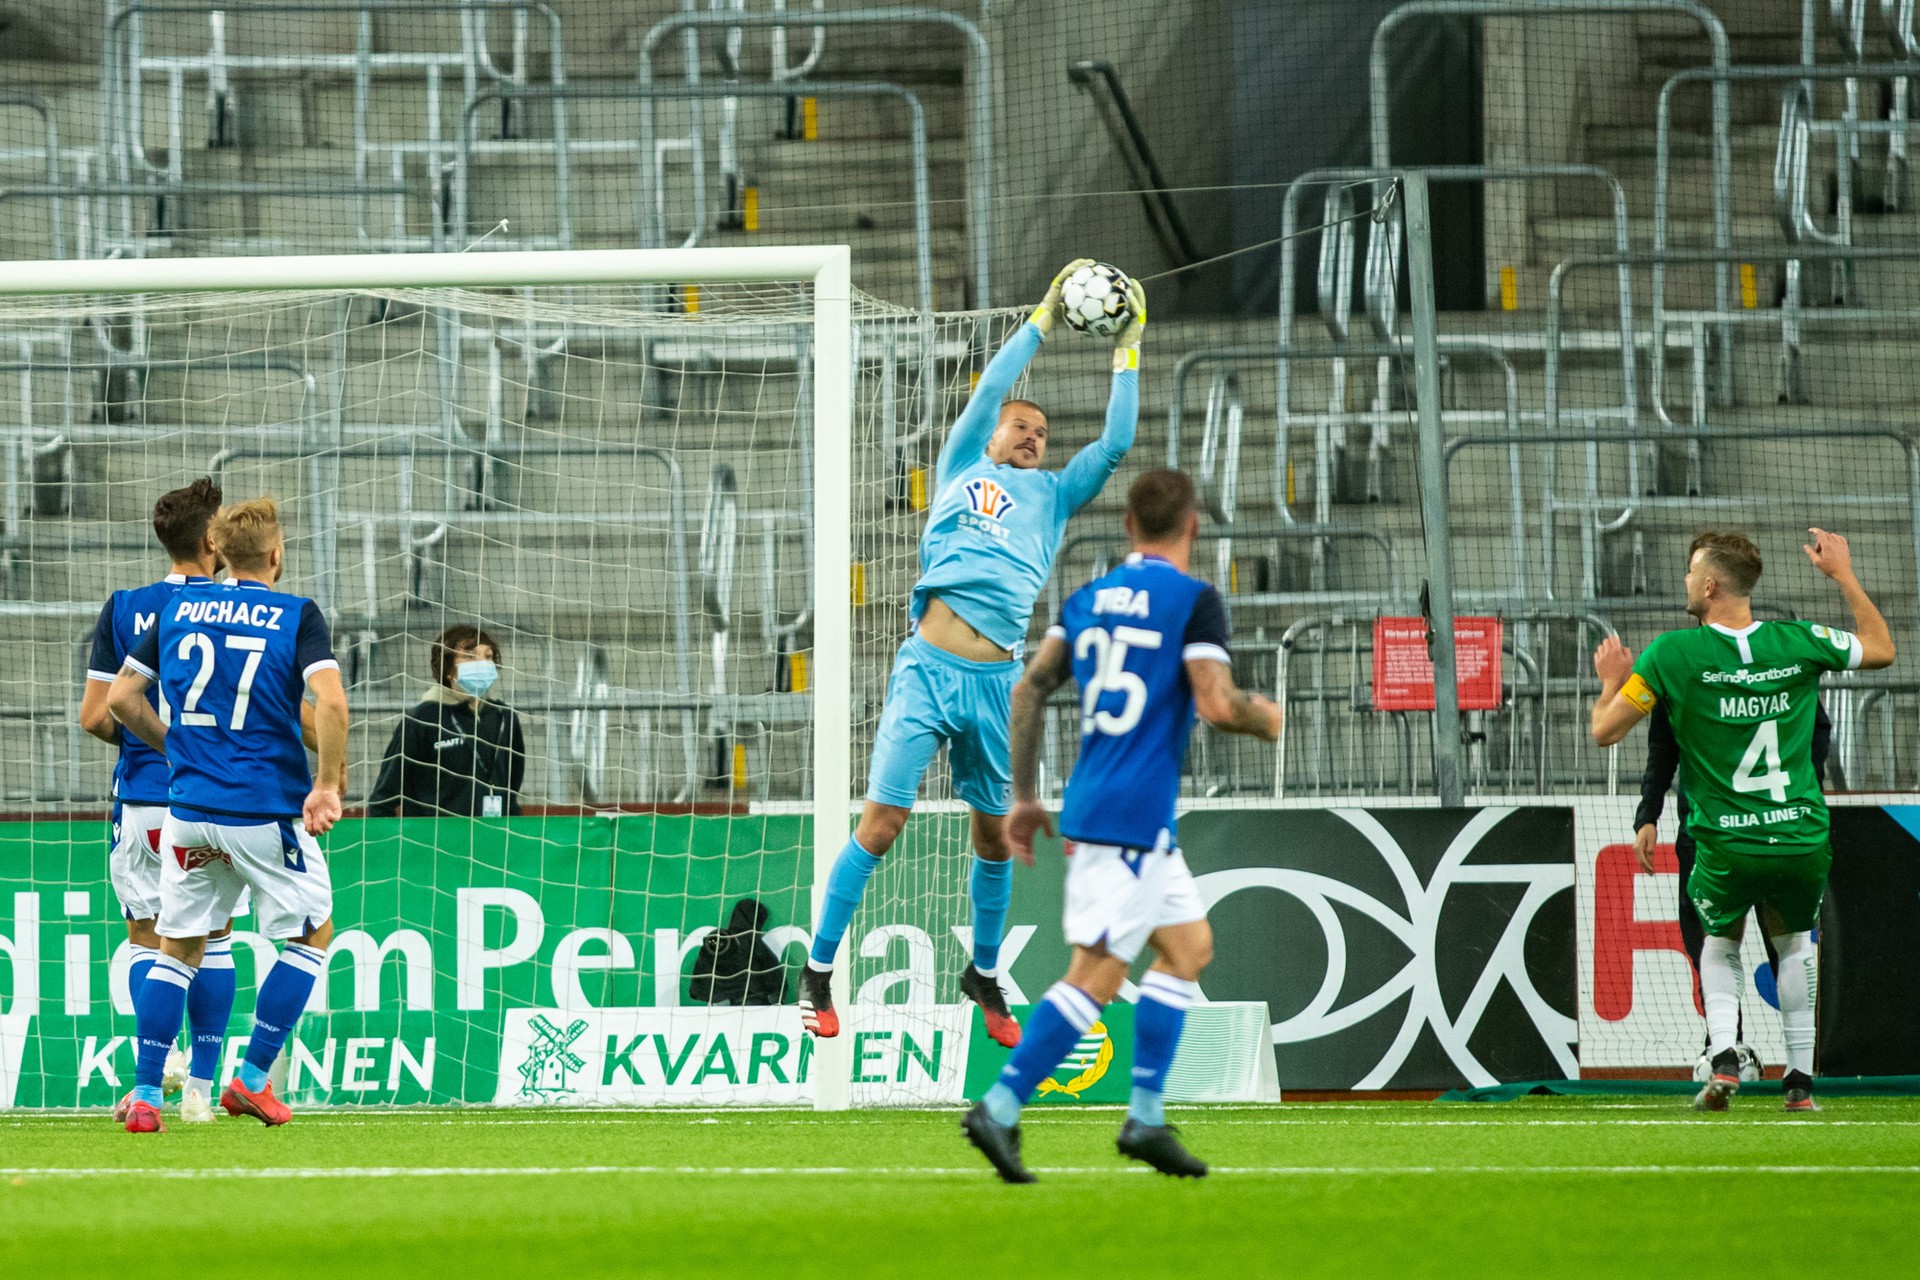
pixel 944 629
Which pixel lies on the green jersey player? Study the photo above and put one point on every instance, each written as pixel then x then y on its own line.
pixel 1741 696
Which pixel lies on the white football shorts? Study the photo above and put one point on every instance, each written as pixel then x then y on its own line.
pixel 133 866
pixel 207 867
pixel 1118 897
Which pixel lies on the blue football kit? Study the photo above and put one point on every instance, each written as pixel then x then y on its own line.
pixel 140 776
pixel 1131 634
pixel 232 661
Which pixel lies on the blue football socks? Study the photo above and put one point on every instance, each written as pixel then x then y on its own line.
pixel 1063 1015
pixel 282 998
pixel 1157 1021
pixel 158 1006
pixel 991 888
pixel 210 1008
pixel 845 886
pixel 139 961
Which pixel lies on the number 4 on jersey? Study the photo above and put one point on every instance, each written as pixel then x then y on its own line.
pixel 1764 749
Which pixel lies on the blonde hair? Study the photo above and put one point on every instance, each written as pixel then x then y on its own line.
pixel 245 533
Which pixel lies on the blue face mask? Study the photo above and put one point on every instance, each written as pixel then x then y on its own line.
pixel 475 676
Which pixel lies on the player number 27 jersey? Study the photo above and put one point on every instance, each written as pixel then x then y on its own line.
pixel 1130 635
pixel 1742 705
pixel 232 661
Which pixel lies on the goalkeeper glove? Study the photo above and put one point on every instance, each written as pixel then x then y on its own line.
pixel 1049 309
pixel 1126 345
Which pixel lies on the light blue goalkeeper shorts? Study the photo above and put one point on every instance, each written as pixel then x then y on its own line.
pixel 936 697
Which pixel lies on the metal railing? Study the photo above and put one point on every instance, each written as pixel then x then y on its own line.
pixel 125 66
pixel 1329 440
pixel 1324 682
pixel 1792 208
pixel 779 70
pixel 50 152
pixel 1114 545
pixel 1225 433
pixel 1551 504
pixel 1101 82
pixel 652 196
pixel 1380 86
pixel 1598 522
pixel 980 89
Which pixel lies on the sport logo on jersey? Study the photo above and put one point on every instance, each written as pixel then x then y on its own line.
pixel 988 499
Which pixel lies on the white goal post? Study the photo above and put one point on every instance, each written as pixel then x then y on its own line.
pixel 825 268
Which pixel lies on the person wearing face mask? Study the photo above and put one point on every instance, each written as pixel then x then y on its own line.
pixel 459 753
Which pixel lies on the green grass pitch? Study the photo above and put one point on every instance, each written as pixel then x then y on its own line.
pixel 1542 1187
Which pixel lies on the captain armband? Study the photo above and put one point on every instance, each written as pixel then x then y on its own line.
pixel 1637 691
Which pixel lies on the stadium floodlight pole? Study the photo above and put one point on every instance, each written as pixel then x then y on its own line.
pixel 1433 492
pixel 828 268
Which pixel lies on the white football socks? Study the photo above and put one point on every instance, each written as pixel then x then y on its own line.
pixel 1720 992
pixel 1796 979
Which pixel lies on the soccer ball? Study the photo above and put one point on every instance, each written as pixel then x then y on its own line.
pixel 1750 1066
pixel 1096 301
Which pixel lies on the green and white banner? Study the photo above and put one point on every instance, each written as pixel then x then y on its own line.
pixel 547 960
pixel 528 960
pixel 642 1057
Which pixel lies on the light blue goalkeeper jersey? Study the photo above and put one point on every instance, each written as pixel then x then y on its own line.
pixel 993 528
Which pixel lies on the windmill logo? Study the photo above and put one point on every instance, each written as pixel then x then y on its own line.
pixel 988 499
pixel 551 1060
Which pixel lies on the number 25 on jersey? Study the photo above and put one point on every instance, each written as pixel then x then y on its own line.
pixel 1108 652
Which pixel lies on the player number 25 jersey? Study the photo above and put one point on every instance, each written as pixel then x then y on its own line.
pixel 1131 634
pixel 232 661
pixel 1742 705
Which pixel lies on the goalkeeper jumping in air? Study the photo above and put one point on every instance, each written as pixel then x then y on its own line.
pixel 992 532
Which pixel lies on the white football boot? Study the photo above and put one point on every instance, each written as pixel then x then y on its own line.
pixel 173 1078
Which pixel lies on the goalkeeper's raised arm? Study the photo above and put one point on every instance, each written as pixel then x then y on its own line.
pixel 993 529
pixel 1087 473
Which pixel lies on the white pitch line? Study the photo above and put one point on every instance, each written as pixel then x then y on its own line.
pixel 1052 1118
pixel 748 1171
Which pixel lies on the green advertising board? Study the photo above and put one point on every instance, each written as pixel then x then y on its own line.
pixel 547 959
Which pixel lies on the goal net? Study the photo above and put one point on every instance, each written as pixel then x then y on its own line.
pixel 677 494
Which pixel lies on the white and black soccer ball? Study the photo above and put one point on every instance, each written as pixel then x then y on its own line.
pixel 1751 1068
pixel 1097 300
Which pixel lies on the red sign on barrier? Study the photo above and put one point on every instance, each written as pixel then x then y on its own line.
pixel 1403 674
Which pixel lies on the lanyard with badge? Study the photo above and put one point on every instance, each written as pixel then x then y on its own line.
pixel 476 676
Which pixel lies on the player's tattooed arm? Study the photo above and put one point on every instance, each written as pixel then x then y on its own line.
pixel 1228 707
pixel 1614 713
pixel 1049 669
pixel 127 699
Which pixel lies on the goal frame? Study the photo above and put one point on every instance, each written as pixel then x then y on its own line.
pixel 828 268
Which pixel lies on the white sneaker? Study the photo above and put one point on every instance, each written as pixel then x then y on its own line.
pixel 196 1108
pixel 173 1078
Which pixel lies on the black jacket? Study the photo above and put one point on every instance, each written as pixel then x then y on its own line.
pixel 735 965
pixel 1663 763
pixel 443 761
